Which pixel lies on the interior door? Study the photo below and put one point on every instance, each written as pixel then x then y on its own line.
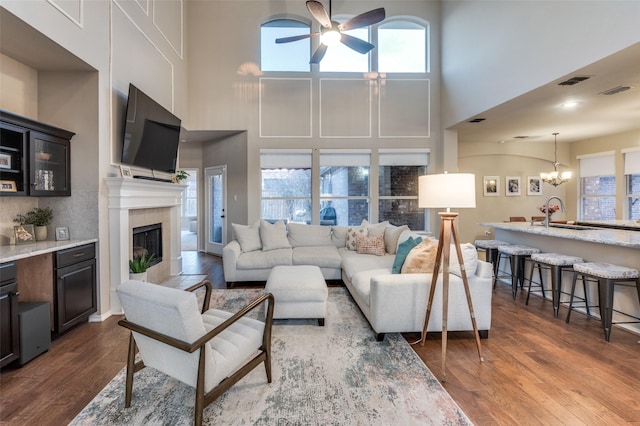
pixel 216 203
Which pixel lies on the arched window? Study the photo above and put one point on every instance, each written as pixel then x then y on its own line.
pixel 340 58
pixel 292 56
pixel 402 47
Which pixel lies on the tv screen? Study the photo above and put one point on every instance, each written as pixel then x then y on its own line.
pixel 151 134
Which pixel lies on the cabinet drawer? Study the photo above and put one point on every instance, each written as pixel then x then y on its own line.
pixel 74 255
pixel 8 272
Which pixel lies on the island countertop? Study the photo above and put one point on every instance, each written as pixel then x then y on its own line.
pixel 11 253
pixel 608 236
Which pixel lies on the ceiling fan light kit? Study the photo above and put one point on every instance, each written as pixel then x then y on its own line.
pixel 555 178
pixel 332 32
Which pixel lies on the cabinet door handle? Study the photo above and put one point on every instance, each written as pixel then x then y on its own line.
pixel 78 254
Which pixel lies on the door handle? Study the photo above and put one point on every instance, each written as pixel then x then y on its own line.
pixel 222 216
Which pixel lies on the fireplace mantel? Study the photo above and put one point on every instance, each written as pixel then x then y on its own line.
pixel 131 194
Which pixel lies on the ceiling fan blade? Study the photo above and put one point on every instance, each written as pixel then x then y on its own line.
pixel 318 54
pixel 319 12
pixel 355 43
pixel 371 17
pixel 295 38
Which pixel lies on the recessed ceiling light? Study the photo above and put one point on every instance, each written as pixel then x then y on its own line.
pixel 570 104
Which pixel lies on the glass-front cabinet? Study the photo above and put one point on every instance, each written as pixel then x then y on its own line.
pixel 35 158
pixel 50 162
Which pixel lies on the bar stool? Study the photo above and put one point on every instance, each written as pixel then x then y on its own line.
pixel 517 255
pixel 490 248
pixel 557 263
pixel 607 276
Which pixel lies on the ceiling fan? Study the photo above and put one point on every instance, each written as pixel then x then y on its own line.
pixel 332 32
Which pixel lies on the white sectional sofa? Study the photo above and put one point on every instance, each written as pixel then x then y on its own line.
pixel 391 302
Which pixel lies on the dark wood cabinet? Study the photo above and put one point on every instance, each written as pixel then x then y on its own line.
pixel 75 289
pixel 9 332
pixel 35 158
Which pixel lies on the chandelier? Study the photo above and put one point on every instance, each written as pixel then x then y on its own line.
pixel 555 178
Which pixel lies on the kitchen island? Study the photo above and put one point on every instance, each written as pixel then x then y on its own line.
pixel 592 243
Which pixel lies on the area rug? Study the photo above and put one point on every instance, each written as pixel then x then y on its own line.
pixel 332 375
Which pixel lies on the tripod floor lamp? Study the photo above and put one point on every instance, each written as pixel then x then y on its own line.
pixel 448 190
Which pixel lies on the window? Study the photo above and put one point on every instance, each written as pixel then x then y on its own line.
pixel 598 187
pixel 632 173
pixel 344 186
pixel 398 187
pixel 402 47
pixel 340 58
pixel 286 185
pixel 292 56
pixel 190 195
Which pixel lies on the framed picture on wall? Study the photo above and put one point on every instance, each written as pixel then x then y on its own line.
pixel 534 185
pixel 491 186
pixel 512 186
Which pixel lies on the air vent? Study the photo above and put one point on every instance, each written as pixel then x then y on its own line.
pixel 477 120
pixel 615 90
pixel 574 80
pixel 521 137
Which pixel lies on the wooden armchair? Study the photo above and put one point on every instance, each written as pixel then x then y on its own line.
pixel 207 349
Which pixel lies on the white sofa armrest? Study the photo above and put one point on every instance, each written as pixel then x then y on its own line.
pixel 397 302
pixel 230 254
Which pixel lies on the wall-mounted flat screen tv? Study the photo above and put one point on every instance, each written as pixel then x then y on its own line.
pixel 151 134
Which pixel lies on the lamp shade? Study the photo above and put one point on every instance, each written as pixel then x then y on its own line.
pixel 455 190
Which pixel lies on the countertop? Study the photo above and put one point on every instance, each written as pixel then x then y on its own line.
pixel 607 236
pixel 15 252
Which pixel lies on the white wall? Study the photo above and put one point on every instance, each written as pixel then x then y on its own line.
pixel 494 51
pixel 228 92
pixel 123 41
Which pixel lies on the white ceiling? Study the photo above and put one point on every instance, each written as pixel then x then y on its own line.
pixel 539 113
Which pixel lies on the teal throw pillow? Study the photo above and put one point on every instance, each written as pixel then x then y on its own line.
pixel 403 251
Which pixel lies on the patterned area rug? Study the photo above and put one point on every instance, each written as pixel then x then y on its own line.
pixel 332 375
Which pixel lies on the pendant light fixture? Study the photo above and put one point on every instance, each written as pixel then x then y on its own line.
pixel 555 178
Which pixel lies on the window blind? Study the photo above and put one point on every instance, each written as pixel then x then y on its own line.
pixel 631 161
pixel 404 157
pixel 345 157
pixel 285 159
pixel 601 164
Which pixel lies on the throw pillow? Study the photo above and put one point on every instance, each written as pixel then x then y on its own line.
pixel 469 259
pixel 352 235
pixel 370 245
pixel 301 235
pixel 273 236
pixel 391 235
pixel 421 258
pixel 401 254
pixel 377 229
pixel 248 236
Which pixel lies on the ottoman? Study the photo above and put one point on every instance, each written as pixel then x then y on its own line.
pixel 299 292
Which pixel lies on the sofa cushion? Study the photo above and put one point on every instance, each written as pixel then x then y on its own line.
pixel 322 256
pixel 352 235
pixel 259 259
pixel 374 229
pixel 469 258
pixel 361 282
pixel 352 262
pixel 422 258
pixel 401 253
pixel 301 235
pixel 339 235
pixel 370 245
pixel 391 235
pixel 273 236
pixel 248 236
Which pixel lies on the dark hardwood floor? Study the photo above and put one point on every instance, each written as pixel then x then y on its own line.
pixel 538 370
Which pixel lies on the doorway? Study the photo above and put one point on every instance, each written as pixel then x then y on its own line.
pixel 215 209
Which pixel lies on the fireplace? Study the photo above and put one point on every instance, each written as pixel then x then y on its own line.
pixel 147 240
